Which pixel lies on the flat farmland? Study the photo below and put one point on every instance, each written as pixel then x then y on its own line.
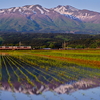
pixel 37 72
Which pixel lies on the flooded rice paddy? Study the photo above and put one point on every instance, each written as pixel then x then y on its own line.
pixel 31 77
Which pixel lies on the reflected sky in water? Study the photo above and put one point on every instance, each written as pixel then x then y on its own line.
pixel 89 94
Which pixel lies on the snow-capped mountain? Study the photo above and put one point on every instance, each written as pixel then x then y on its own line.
pixel 84 15
pixel 35 18
pixel 38 9
pixel 27 10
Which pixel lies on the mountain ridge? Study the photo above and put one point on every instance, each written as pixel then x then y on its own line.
pixel 35 18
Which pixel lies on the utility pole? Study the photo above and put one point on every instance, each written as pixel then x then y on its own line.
pixel 20 43
pixel 64 45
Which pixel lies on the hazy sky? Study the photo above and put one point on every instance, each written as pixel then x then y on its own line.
pixel 80 4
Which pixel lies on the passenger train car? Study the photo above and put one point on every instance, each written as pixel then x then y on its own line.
pixel 15 48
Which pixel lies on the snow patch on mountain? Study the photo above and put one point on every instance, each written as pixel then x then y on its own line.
pixel 64 9
pixel 72 17
pixel 31 6
pixel 10 9
pixel 20 10
pixel 60 10
pixel 24 8
pixel 16 8
pixel 85 17
pixel 2 11
pixel 46 9
pixel 42 12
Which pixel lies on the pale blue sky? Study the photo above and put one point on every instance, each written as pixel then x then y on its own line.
pixel 80 4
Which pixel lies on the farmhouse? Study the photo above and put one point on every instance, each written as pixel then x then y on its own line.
pixel 15 48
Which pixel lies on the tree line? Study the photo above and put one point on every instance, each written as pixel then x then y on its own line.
pixel 50 40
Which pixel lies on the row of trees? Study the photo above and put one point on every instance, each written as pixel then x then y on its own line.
pixel 50 40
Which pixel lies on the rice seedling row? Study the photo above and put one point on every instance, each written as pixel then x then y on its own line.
pixel 78 71
pixel 0 69
pixel 9 77
pixel 36 71
pixel 24 74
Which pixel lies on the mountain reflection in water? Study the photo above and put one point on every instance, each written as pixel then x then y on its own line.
pixel 88 94
pixel 20 77
pixel 60 88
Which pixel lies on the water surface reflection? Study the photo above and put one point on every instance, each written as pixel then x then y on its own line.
pixel 89 94
pixel 20 80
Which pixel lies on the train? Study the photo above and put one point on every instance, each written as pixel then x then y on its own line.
pixel 15 47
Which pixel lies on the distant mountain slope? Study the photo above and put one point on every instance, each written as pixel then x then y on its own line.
pixel 84 15
pixel 35 18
